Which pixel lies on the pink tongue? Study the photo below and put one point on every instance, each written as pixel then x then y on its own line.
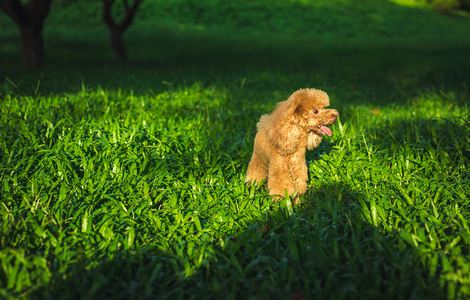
pixel 325 130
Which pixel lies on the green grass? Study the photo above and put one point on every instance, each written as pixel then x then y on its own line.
pixel 126 181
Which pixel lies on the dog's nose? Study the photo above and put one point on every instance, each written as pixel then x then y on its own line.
pixel 334 115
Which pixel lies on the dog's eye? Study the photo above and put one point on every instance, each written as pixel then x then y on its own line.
pixel 315 111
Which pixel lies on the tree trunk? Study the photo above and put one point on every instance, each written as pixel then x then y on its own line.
pixel 117 29
pixel 117 43
pixel 32 46
pixel 29 17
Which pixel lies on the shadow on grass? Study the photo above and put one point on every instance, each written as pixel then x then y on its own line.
pixel 375 74
pixel 370 69
pixel 325 249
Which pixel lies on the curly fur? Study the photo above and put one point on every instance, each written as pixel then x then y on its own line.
pixel 295 125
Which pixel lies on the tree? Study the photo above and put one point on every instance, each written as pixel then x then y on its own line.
pixel 117 29
pixel 29 17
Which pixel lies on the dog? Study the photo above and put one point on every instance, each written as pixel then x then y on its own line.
pixel 296 124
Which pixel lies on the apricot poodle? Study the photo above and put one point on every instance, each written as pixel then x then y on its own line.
pixel 295 125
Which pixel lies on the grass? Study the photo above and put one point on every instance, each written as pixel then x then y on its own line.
pixel 127 180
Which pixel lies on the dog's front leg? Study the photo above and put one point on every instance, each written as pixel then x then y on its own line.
pixel 287 174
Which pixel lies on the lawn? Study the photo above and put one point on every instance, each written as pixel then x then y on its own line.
pixel 125 180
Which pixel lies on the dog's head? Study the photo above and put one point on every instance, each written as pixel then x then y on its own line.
pixel 304 113
pixel 310 112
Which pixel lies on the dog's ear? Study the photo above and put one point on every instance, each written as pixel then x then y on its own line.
pixel 284 137
pixel 299 109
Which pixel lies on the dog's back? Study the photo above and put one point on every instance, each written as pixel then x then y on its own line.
pixel 263 122
pixel 266 120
